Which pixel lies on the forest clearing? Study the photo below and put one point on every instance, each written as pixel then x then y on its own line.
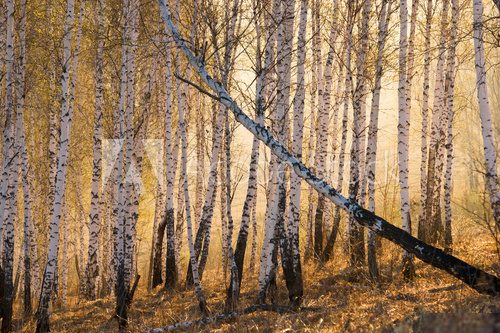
pixel 249 166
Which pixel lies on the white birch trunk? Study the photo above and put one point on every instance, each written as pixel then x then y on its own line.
pixel 404 133
pixel 187 206
pixel 433 228
pixel 425 121
pixel 9 216
pixel 324 92
pixel 450 86
pixel 49 274
pixel 298 124
pixel 371 150
pixel 92 270
pixel 9 129
pixel 485 113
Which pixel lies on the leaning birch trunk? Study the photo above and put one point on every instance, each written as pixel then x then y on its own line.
pixel 371 149
pixel 474 277
pixel 92 269
pixel 450 86
pixel 404 135
pixel 62 163
pixel 425 116
pixel 485 113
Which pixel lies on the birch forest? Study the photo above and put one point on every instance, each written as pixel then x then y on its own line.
pixel 249 166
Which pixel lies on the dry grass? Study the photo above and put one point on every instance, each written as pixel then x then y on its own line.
pixel 433 302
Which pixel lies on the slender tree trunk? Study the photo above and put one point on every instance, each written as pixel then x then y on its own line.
pixel 312 122
pixel 425 115
pixel 485 113
pixel 9 216
pixel 124 126
pixel 355 233
pixel 92 269
pixel 192 255
pixel 371 150
pixel 270 243
pixel 404 134
pixel 343 141
pixel 450 86
pixel 432 230
pixel 321 127
pixel 49 274
pixel 9 129
pixel 295 182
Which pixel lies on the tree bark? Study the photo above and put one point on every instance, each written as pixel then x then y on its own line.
pixel 92 269
pixel 485 113
pixel 66 116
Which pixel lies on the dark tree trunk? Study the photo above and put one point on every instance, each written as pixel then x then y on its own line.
pixel 160 234
pixel 27 286
pixel 328 252
pixel 318 227
pixel 171 270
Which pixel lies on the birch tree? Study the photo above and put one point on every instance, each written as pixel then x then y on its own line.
pixel 450 86
pixel 371 149
pixel 251 196
pixel 432 229
pixel 92 269
pixel 356 234
pixel 485 113
pixel 404 134
pixel 325 89
pixel 295 181
pixel 66 116
pixel 425 125
pixel 9 129
pixel 13 178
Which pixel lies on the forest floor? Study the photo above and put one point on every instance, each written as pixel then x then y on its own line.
pixel 337 302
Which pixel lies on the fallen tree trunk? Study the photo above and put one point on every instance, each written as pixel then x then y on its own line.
pixel 476 278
